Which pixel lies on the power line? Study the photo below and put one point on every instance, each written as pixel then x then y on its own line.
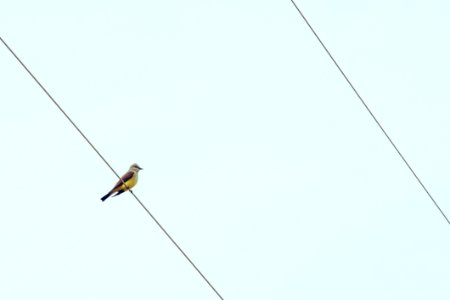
pixel 115 173
pixel 370 112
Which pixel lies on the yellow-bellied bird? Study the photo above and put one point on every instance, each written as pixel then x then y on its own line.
pixel 130 178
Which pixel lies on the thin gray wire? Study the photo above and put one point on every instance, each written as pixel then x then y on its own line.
pixel 115 173
pixel 369 111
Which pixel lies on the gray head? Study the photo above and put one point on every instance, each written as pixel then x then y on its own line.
pixel 135 168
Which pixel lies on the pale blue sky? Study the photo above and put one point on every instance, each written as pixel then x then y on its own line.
pixel 258 158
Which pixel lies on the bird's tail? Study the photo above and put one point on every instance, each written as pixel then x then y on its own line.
pixel 106 196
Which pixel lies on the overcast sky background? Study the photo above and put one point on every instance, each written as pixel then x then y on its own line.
pixel 257 156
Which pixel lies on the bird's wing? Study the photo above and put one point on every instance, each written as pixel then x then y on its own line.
pixel 125 178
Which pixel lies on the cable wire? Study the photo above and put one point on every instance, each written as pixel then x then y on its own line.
pixel 370 112
pixel 111 168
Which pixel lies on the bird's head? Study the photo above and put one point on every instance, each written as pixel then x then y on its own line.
pixel 135 168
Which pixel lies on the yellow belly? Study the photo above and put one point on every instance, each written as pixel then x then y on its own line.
pixel 130 184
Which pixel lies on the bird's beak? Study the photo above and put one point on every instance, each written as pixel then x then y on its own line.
pixel 141 168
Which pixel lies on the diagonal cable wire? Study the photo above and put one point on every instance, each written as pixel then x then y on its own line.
pixel 370 112
pixel 115 173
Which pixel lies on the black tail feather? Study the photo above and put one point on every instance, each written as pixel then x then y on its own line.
pixel 119 192
pixel 106 196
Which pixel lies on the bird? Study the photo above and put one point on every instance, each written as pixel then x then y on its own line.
pixel 130 178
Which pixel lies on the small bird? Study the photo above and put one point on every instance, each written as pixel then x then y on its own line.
pixel 130 178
